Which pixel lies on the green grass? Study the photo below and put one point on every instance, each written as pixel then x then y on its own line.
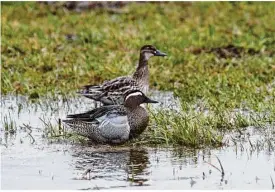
pixel 38 60
pixel 199 128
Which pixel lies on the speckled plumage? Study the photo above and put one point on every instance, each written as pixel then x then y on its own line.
pixel 112 91
pixel 113 124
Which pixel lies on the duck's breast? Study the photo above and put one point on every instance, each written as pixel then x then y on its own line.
pixel 139 119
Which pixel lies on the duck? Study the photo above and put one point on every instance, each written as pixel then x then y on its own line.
pixel 113 124
pixel 111 91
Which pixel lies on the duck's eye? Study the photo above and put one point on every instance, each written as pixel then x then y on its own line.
pixel 155 52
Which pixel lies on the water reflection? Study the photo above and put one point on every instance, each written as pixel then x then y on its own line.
pixel 130 164
pixel 138 166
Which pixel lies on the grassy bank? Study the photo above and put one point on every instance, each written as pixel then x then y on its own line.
pixel 221 53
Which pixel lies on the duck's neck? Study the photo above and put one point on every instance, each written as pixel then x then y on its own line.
pixel 142 71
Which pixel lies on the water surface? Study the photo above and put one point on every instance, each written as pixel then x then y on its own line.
pixel 31 161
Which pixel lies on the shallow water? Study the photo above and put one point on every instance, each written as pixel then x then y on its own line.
pixel 35 162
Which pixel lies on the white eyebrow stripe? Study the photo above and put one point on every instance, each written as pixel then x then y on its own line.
pixel 133 94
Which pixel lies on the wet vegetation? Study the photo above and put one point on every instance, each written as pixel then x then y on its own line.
pixel 9 124
pixel 220 60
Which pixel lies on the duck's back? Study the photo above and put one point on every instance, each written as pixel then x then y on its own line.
pixel 119 84
pixel 111 92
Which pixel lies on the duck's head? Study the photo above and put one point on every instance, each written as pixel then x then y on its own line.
pixel 148 51
pixel 134 98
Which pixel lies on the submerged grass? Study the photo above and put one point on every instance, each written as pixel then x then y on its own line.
pixel 8 124
pixel 218 52
pixel 57 132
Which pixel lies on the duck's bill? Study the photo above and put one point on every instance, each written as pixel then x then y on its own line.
pixel 159 53
pixel 148 100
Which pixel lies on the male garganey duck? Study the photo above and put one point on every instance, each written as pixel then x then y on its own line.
pixel 113 124
pixel 112 91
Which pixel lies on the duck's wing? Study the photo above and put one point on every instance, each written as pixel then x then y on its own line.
pixel 105 124
pixel 110 92
pixel 106 98
pixel 112 129
pixel 119 84
pixel 98 113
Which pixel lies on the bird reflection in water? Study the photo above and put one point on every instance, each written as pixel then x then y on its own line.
pixel 112 163
pixel 138 167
